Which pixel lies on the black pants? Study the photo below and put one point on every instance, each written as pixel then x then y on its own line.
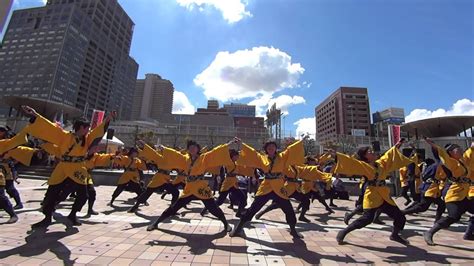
pixel 302 198
pixel 260 201
pixel 12 191
pixel 91 196
pixel 455 210
pixel 210 205
pixel 412 186
pixel 169 188
pixel 425 204
pixel 404 193
pixel 55 194
pixel 369 214
pixel 316 195
pixel 237 194
pixel 5 202
pixel 130 186
pixel 341 194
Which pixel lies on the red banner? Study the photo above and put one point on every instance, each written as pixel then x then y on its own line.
pixel 395 134
pixel 97 118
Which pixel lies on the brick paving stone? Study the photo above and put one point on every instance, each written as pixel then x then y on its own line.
pixel 119 238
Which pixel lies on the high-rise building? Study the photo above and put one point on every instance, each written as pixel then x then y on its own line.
pixel 73 52
pixel 212 109
pixel 344 112
pixel 382 119
pixel 240 110
pixel 153 98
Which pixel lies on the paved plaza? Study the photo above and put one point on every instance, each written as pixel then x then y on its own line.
pixel 119 238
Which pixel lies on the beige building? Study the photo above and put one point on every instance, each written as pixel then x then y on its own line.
pixel 153 98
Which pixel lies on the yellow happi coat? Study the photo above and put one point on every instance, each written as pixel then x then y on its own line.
pixel 404 176
pixel 374 196
pixel 232 172
pixel 98 160
pixel 202 164
pixel 308 175
pixel 436 188
pixel 469 159
pixel 157 158
pixel 459 169
pixel 293 155
pixel 68 145
pixel 21 154
pixel 131 166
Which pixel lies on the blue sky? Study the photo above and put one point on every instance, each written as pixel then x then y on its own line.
pixel 409 53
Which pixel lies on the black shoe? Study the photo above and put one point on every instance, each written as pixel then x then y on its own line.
pixel 296 234
pixel 340 237
pixel 228 228
pixel 12 219
pixel 133 209
pixel 92 212
pixel 399 239
pixel 203 212
pixel 333 205
pixel 258 216
pixel 428 236
pixel 407 202
pixel 304 219
pixel 146 203
pixel 347 218
pixel 330 210
pixel 18 207
pixel 43 223
pixel 163 196
pixel 468 237
pixel 152 227
pixel 378 221
pixel 236 232
pixel 74 220
pixel 238 214
pixel 230 206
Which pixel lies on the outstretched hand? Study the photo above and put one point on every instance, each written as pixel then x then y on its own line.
pixel 111 116
pixel 29 111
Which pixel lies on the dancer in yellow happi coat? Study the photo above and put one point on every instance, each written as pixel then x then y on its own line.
pixel 197 186
pixel 8 151
pixel 377 193
pixel 161 181
pixel 459 168
pixel 71 172
pixel 273 164
pixel 130 179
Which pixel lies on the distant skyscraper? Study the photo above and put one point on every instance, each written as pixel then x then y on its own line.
pixel 344 112
pixel 240 110
pixel 153 98
pixel 74 52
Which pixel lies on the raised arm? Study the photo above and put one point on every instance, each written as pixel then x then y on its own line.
pixel 44 129
pixel 217 157
pixel 17 140
pixel 22 154
pixel 468 158
pixel 455 166
pixel 393 160
pixel 311 173
pixel 250 157
pixel 51 148
pixel 294 154
pixel 174 158
pixel 96 134
pixel 350 166
pixel 153 155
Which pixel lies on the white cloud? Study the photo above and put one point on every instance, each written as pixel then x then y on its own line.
pixel 282 102
pixel 260 71
pixel 181 104
pixel 306 125
pixel 232 10
pixel 461 107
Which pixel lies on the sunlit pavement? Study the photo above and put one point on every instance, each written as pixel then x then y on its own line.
pixel 117 237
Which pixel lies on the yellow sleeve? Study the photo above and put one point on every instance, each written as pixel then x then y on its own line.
pixel 96 134
pixel 217 157
pixel 174 158
pixel 51 149
pixel 151 154
pixel 43 129
pixel 350 166
pixel 103 160
pixel 250 157
pixel 17 140
pixel 403 173
pixel 324 159
pixel 245 170
pixel 456 168
pixel 22 154
pixel 122 161
pixel 393 160
pixel 294 154
pixel 312 173
pixel 141 165
pixel 469 160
